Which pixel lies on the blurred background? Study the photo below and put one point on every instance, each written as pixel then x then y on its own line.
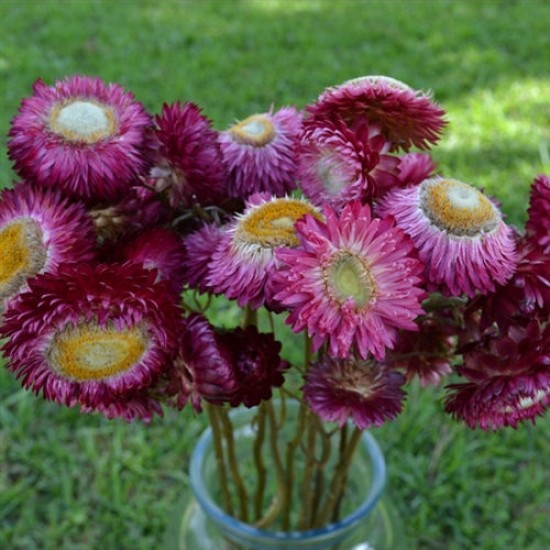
pixel 74 481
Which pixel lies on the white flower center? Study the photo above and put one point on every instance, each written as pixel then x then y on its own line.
pixel 458 208
pixel 83 121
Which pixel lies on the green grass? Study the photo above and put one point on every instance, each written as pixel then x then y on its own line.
pixel 74 481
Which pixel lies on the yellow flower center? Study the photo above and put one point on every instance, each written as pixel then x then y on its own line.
pixel 82 121
pixel 256 130
pixel 458 208
pixel 90 352
pixel 347 277
pixel 272 224
pixel 22 254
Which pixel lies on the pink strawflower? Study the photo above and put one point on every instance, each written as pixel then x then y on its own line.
pixel 199 248
pixel 353 281
pixel 405 116
pixel 459 233
pixel 363 391
pixel 337 165
pixel 244 259
pixel 260 153
pixel 91 335
pixel 414 168
pixel 508 379
pixel 39 230
pixel 538 224
pixel 85 137
pixel 189 165
pixel 162 250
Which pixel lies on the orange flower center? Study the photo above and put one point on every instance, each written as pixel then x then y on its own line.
pixel 256 130
pixel 82 121
pixel 458 208
pixel 90 352
pixel 22 254
pixel 272 224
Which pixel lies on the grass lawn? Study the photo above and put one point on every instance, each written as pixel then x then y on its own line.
pixel 79 482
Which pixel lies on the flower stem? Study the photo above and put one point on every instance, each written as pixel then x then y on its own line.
pixel 337 485
pixel 259 462
pixel 218 451
pixel 227 430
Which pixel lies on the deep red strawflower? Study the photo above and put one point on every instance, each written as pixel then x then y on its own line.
pixel 239 366
pixel 189 164
pixel 366 392
pixel 538 223
pixel 508 378
pixel 162 250
pixel 40 230
pixel 405 116
pixel 85 137
pixel 91 335
pixel 426 354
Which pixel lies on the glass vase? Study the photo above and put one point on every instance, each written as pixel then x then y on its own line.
pixel 201 523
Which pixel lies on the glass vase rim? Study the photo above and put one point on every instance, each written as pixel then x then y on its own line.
pixel 230 523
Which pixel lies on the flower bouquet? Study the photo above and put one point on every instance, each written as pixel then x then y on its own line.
pixel 128 234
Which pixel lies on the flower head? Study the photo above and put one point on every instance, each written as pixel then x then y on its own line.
pixel 91 335
pixel 538 224
pixel 260 153
pixel 337 165
pixel 405 116
pixel 199 247
pixel 353 281
pixel 508 379
pixel 239 366
pixel 39 230
pixel 189 163
pixel 243 261
pixel 85 137
pixel 340 389
pixel 459 234
pixel 162 250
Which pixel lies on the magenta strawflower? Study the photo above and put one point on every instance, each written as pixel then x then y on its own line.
pixel 39 230
pixel 405 116
pixel 508 379
pixel 260 153
pixel 139 405
pixel 365 392
pixel 85 137
pixel 352 282
pixel 538 224
pixel 91 335
pixel 244 259
pixel 337 165
pixel 162 250
pixel 459 233
pixel 199 248
pixel 189 164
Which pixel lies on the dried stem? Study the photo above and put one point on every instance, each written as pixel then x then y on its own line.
pixel 258 460
pixel 227 431
pixel 218 451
